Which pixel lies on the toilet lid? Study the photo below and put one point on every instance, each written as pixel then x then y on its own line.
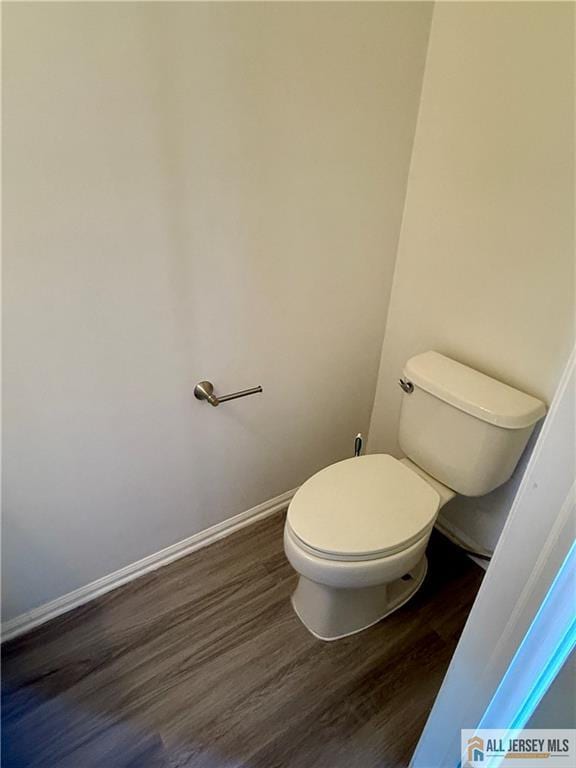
pixel 362 508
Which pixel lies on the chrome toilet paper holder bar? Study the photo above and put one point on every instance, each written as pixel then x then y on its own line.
pixel 204 390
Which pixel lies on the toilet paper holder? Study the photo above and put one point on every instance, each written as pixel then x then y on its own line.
pixel 204 390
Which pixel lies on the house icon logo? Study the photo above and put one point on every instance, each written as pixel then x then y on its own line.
pixel 475 749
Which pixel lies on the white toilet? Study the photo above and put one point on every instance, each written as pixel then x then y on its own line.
pixel 356 532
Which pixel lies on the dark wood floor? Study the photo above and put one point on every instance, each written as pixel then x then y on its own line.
pixel 203 664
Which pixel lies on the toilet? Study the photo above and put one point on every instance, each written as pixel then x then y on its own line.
pixel 356 532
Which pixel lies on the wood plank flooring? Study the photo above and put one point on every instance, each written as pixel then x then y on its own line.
pixel 203 664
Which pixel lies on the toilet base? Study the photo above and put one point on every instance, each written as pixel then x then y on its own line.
pixel 331 614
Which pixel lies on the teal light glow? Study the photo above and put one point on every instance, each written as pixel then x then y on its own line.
pixel 545 647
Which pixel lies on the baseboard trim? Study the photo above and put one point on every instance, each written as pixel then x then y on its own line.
pixel 44 613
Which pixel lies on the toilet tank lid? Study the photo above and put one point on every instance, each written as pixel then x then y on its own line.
pixel 473 392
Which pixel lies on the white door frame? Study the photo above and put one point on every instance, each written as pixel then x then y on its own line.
pixel 533 547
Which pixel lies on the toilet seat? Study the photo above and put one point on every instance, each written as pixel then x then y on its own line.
pixel 353 558
pixel 352 574
pixel 363 508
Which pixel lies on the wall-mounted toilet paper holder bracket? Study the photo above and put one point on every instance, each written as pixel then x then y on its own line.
pixel 204 390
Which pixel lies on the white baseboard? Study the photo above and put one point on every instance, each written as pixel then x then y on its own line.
pixel 43 613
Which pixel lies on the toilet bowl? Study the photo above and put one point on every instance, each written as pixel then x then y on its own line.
pixel 356 532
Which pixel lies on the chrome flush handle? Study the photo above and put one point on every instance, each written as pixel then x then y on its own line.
pixel 406 385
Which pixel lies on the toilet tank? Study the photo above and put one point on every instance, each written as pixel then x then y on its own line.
pixel 462 427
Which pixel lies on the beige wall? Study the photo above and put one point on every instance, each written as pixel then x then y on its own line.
pixel 486 255
pixel 191 191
